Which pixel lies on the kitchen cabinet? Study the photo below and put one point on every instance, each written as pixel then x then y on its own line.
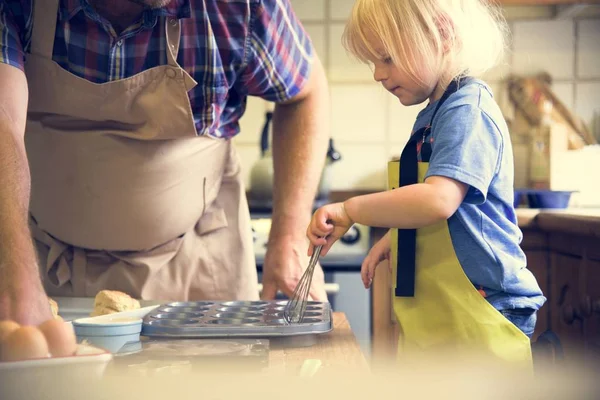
pixel 591 309
pixel 535 246
pixel 563 252
pixel 565 314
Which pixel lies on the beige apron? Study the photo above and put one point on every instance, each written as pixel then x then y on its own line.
pixel 124 194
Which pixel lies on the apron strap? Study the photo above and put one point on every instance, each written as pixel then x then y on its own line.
pixel 409 175
pixel 45 13
pixel 173 31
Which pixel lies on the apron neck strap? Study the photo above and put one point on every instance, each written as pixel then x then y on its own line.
pixel 451 89
pixel 45 13
pixel 409 175
pixel 173 30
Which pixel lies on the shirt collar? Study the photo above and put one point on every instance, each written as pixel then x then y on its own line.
pixel 175 9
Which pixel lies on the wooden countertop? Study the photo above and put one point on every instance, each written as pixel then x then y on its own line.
pixel 336 349
pixel 579 221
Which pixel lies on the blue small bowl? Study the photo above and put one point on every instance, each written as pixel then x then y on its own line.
pixel 518 197
pixel 109 334
pixel 549 198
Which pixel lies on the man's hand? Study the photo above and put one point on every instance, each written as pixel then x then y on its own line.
pixel 23 302
pixel 22 297
pixel 285 262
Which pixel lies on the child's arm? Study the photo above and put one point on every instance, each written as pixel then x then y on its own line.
pixel 412 206
pixel 408 207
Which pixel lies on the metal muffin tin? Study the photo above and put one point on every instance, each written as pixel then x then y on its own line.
pixel 234 319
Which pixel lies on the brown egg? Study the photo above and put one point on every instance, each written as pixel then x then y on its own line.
pixel 60 337
pixel 6 327
pixel 25 343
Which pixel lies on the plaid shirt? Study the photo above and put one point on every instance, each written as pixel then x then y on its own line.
pixel 232 48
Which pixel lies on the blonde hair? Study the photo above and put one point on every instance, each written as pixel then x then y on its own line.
pixel 446 37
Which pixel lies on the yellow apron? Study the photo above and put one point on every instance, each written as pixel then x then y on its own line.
pixel 435 304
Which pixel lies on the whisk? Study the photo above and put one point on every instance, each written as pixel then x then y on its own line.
pixel 296 306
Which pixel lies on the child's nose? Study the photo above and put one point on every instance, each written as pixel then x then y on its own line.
pixel 379 74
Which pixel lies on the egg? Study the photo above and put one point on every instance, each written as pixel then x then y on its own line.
pixel 60 337
pixel 24 343
pixel 6 327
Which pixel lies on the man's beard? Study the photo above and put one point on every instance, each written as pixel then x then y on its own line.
pixel 151 3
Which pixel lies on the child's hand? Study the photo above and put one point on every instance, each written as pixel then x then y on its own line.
pixel 328 224
pixel 378 253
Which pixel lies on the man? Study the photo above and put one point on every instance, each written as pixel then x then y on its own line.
pixel 115 120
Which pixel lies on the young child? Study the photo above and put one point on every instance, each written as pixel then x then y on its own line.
pixel 461 278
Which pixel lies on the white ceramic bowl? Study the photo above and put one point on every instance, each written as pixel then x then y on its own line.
pixel 88 364
pixel 108 333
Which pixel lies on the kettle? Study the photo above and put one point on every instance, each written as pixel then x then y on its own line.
pixel 261 175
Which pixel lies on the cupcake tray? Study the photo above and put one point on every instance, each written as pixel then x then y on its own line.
pixel 233 319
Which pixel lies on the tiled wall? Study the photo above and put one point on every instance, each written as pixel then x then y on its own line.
pixel 369 125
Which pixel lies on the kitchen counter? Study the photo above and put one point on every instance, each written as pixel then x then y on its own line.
pixel 336 349
pixel 582 221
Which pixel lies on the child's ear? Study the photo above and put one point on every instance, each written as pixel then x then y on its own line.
pixel 447 32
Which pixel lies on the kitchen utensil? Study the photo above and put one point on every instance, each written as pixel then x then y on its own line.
pixel 261 175
pixel 109 332
pixel 261 319
pixel 295 309
pixel 72 308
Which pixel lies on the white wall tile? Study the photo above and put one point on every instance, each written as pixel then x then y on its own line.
pixel 249 155
pixel 252 121
pixel 317 36
pixel 564 92
pixel 588 49
pixel 400 120
pixel 309 10
pixel 339 10
pixel 394 150
pixel 500 72
pixel 497 89
pixel 527 12
pixel 544 46
pixel 358 113
pixel 588 105
pixel 342 66
pixel 363 166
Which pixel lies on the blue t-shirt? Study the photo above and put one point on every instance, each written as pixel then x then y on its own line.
pixel 471 144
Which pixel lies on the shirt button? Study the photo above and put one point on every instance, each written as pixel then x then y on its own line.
pixel 120 42
pixel 171 73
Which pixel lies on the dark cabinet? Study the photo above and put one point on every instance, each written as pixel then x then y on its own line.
pixel 566 318
pixel 590 309
pixel 535 246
